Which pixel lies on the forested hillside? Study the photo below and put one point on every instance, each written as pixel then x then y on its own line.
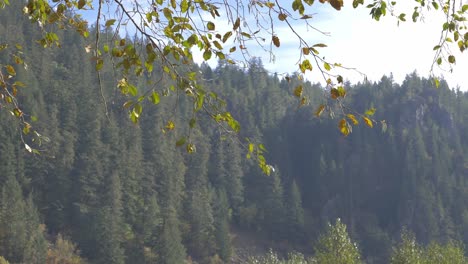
pixel 106 190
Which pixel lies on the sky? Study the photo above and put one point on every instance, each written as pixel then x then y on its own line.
pixel 373 48
pixel 357 41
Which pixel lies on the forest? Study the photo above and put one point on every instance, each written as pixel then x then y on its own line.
pixel 106 190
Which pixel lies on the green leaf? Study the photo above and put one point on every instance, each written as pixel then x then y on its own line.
pixel 200 100
pixel 236 24
pixel 192 122
pixel 357 2
pixel 210 25
pixel 370 111
pixel 262 147
pixel 132 89
pixel 207 54
pixel 138 109
pixel 148 66
pixel 26 128
pixel 227 36
pixel 339 79
pixel 17 112
pixel 305 65
pixel 220 55
pixel 327 66
pixel 19 84
pixel 81 4
pixel 99 64
pixel 451 59
pixel 464 8
pixel 184 5
pixel 110 22
pixel 319 45
pixel 341 91
pixel 436 82
pixel 154 98
pixel 181 141
pixel 402 17
pixel 128 104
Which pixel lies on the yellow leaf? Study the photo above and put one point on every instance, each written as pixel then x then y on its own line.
pixel 353 119
pixel 191 148
pixel 170 125
pixel 368 122
pixel 344 127
pixel 298 91
pixel 251 147
pixel 11 71
pixel 319 110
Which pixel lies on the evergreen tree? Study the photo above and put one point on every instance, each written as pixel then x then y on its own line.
pixel 200 243
pixel 171 250
pixel 294 214
pixel 221 222
pixel 21 235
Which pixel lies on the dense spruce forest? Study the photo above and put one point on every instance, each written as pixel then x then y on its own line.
pixel 106 190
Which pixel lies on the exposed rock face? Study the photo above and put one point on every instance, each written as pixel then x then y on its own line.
pixel 417 110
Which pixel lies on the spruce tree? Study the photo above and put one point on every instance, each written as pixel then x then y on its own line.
pixel 221 222
pixel 294 214
pixel 198 208
pixel 21 234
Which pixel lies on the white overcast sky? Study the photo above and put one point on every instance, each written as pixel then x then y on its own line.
pixel 357 41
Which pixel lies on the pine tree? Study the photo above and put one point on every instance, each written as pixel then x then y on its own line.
pixel 151 226
pixel 221 222
pixel 21 235
pixel 109 234
pixel 171 250
pixel 36 246
pixel 272 204
pixel 294 214
pixel 198 208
